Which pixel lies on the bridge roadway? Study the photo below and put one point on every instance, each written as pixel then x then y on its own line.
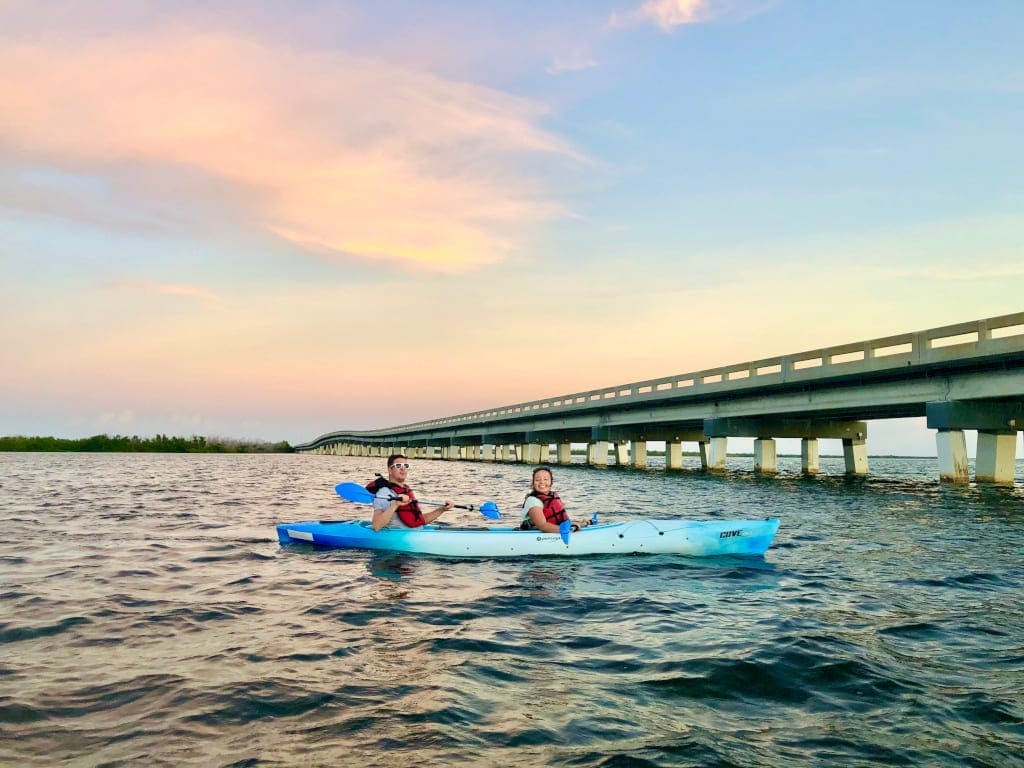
pixel 968 376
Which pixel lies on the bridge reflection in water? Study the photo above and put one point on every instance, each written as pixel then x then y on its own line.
pixel 968 376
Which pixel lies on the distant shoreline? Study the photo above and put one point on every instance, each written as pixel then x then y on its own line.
pixel 136 444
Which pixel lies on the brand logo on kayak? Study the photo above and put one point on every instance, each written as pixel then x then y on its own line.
pixel 730 534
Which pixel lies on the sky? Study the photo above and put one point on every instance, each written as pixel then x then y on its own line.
pixel 268 221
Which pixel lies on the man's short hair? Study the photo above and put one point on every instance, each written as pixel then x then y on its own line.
pixel 395 457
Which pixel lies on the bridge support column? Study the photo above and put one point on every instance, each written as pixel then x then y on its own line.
pixel 765 461
pixel 952 451
pixel 704 448
pixel 809 462
pixel 531 453
pixel 717 451
pixel 997 454
pixel 597 453
pixel 997 422
pixel 673 454
pixel 621 453
pixel 855 455
pixel 565 453
pixel 638 449
pixel 487 452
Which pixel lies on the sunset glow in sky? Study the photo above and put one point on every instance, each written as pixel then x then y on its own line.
pixel 271 220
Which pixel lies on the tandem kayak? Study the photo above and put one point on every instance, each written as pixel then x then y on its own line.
pixel 677 537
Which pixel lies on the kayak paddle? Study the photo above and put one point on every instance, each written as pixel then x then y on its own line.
pixel 357 494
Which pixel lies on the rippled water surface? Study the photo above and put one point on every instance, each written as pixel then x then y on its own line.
pixel 149 617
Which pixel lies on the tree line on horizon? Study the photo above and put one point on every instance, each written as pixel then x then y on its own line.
pixel 136 444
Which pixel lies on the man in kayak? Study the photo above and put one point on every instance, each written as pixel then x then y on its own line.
pixel 395 504
pixel 543 510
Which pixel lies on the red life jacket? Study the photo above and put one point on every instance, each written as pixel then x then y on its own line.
pixel 554 509
pixel 410 513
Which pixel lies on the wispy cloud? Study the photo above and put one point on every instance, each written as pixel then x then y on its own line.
pixel 670 14
pixel 573 62
pixel 332 152
pixel 667 14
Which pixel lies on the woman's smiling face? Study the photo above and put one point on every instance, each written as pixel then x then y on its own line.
pixel 542 481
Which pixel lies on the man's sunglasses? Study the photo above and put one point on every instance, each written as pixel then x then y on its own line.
pixel 400 465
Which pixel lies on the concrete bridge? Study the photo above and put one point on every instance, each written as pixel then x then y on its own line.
pixel 968 376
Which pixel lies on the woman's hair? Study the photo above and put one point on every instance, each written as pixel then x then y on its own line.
pixel 544 469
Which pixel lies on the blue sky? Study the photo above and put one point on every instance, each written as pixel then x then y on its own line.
pixel 215 216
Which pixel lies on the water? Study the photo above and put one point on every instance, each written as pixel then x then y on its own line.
pixel 149 617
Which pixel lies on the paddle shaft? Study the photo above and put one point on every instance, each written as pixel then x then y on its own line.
pixel 358 494
pixel 470 507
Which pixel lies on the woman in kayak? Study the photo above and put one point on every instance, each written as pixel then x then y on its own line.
pixel 543 510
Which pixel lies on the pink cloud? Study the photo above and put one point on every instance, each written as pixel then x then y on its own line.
pixel 669 14
pixel 334 153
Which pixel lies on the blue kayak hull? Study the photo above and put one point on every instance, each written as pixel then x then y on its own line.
pixel 680 537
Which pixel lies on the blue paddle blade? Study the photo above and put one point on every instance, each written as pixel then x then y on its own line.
pixel 593 519
pixel 563 530
pixel 354 492
pixel 490 510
